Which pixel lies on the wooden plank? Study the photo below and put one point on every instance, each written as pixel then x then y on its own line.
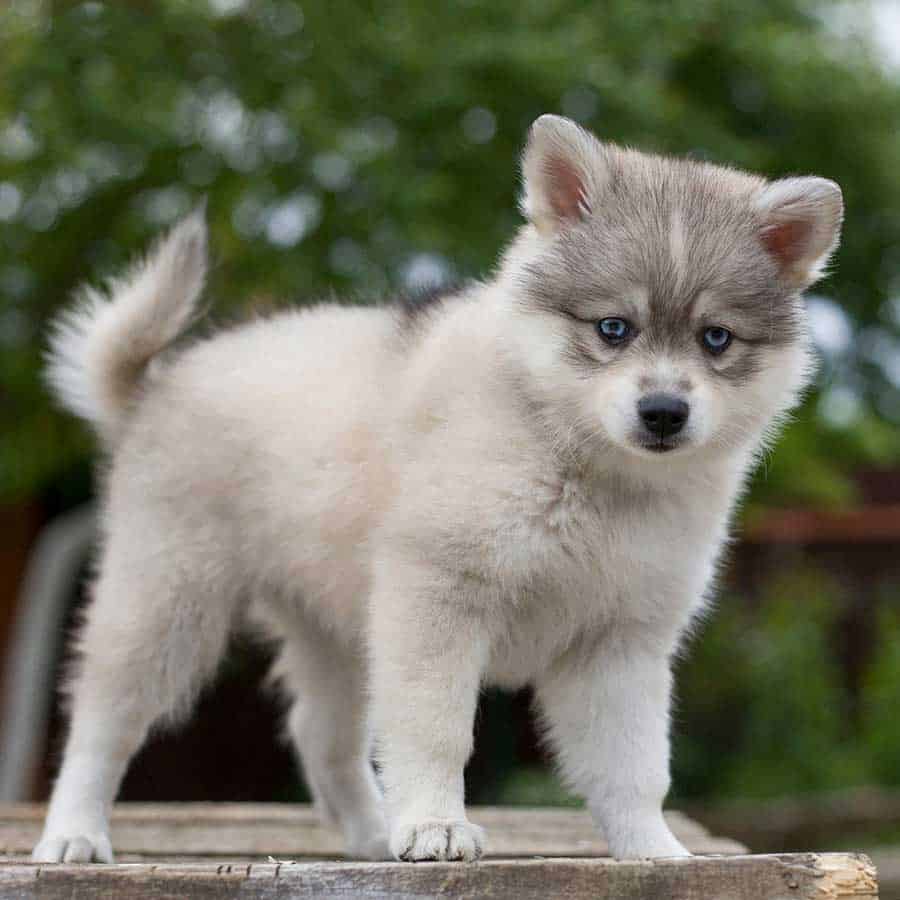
pixel 786 823
pixel 829 876
pixel 293 831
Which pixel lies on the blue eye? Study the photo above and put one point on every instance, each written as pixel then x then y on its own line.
pixel 716 339
pixel 614 330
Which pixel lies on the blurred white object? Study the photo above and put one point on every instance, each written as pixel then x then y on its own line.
pixel 28 684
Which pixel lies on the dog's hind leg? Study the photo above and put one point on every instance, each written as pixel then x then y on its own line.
pixel 327 725
pixel 153 636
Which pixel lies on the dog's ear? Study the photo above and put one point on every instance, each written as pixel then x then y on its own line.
pixel 801 226
pixel 562 173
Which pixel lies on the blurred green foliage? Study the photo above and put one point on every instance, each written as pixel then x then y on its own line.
pixel 880 723
pixel 352 146
pixel 766 708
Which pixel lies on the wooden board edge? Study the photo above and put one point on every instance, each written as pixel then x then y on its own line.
pixel 801 876
pixel 847 876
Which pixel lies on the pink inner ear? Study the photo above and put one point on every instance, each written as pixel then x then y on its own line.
pixel 565 189
pixel 786 241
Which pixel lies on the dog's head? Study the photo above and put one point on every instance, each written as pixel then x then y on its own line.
pixel 658 301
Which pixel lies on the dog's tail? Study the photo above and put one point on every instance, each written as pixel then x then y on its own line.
pixel 101 346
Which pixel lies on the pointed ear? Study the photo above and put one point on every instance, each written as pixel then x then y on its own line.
pixel 801 226
pixel 561 170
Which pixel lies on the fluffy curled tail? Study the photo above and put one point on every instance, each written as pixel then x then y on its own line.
pixel 100 347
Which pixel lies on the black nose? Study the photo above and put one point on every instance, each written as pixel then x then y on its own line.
pixel 663 414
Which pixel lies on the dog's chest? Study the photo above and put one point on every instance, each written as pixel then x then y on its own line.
pixel 593 560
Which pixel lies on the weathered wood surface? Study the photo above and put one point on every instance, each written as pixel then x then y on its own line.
pixel 789 877
pixel 220 851
pixel 293 831
pixel 812 820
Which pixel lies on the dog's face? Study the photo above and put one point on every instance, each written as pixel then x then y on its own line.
pixel 660 299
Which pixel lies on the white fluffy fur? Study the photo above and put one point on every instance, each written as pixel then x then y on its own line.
pixel 414 510
pixel 99 348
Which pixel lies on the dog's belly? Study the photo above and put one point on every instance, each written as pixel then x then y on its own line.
pixel 520 660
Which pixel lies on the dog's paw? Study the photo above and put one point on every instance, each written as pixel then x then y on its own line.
pixel 74 847
pixel 437 839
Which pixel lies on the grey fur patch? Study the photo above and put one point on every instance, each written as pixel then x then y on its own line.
pixel 415 306
pixel 626 245
pixel 746 363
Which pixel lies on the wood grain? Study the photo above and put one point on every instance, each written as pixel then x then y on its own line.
pixel 790 877
pixel 293 831
pixel 807 820
pixel 220 850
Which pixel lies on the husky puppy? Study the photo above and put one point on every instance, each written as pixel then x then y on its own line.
pixel 528 481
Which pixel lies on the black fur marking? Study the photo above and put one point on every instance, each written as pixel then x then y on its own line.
pixel 419 305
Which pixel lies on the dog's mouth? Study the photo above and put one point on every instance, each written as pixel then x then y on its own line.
pixel 660 445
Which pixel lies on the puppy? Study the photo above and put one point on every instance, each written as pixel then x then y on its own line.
pixel 527 481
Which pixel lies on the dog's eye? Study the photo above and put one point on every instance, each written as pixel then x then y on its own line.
pixel 716 339
pixel 614 330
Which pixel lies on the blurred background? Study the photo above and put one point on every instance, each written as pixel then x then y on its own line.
pixel 361 147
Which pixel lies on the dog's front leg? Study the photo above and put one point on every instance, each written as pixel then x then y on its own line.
pixel 608 716
pixel 427 660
